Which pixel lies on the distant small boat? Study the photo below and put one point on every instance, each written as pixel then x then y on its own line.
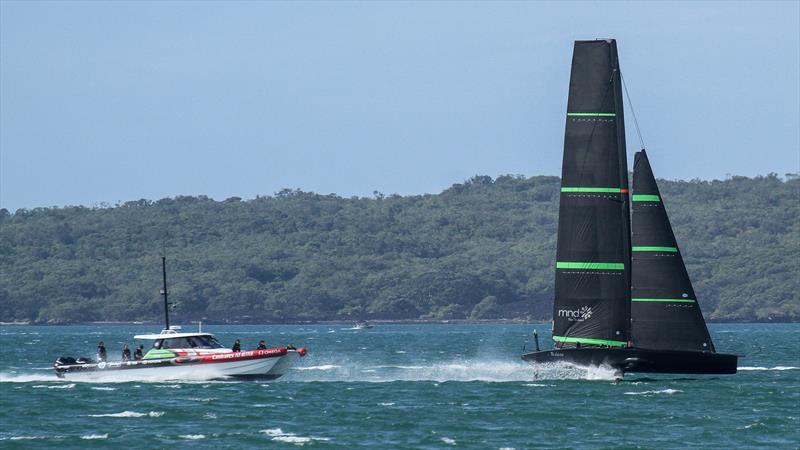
pixel 362 326
pixel 174 354
pixel 623 297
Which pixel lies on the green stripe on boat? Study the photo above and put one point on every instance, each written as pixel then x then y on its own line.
pixel 591 189
pixel 578 340
pixel 645 198
pixel 590 265
pixel 155 353
pixel 663 300
pixel 655 249
pixel 569 114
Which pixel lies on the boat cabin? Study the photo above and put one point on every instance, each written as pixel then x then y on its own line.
pixel 171 343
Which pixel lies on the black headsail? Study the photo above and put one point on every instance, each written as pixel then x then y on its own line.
pixel 592 301
pixel 664 310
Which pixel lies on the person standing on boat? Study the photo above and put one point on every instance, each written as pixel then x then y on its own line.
pixel 126 353
pixel 237 347
pixel 261 345
pixel 102 355
pixel 138 355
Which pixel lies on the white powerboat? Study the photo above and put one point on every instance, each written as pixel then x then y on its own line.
pixel 176 355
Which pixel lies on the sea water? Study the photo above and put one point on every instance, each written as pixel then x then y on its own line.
pixel 400 386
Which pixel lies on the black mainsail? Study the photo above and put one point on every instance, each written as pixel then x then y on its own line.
pixel 664 310
pixel 592 288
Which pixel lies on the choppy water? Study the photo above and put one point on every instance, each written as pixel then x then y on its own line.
pixel 401 386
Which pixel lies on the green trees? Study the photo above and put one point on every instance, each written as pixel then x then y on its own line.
pixel 482 249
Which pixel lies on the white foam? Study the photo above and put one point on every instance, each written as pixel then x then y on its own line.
pixel 95 436
pixel 387 404
pixel 473 369
pixel 130 414
pixel 104 388
pixel 323 367
pixel 24 438
pixel 662 391
pixel 778 368
pixel 55 386
pixel 193 373
pixel 192 437
pixel 278 435
pixel 448 441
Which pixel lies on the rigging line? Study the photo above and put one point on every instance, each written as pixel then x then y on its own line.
pixel 633 112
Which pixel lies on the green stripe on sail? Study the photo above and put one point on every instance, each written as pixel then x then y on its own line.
pixel 663 300
pixel 655 249
pixel 590 265
pixel 578 340
pixel 645 198
pixel 585 114
pixel 591 189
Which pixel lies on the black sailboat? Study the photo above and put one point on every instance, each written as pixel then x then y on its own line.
pixel 623 297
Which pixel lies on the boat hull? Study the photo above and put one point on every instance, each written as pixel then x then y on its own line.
pixel 264 364
pixel 639 360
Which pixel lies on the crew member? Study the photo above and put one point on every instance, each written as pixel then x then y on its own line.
pixel 126 353
pixel 262 345
pixel 139 354
pixel 237 346
pixel 101 352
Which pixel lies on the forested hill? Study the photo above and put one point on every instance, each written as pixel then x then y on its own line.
pixel 484 249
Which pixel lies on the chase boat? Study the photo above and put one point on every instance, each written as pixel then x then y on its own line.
pixel 177 355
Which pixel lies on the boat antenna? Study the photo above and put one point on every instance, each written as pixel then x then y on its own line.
pixel 164 291
pixel 633 112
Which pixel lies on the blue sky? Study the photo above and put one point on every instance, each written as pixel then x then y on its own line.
pixel 115 101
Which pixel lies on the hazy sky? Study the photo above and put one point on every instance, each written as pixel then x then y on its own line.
pixel 110 101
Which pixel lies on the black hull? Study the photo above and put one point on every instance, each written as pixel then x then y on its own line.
pixel 640 360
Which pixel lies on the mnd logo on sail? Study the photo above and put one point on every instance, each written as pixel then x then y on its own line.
pixel 576 315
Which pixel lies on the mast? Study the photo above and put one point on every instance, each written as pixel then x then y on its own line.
pixel 664 310
pixel 593 261
pixel 164 292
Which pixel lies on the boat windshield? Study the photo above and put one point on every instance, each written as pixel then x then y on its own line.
pixel 187 342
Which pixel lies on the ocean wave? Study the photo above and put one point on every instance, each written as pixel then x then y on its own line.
pixel 323 367
pixel 449 441
pixel 104 388
pixel 192 437
pixel 759 368
pixel 291 438
pixel 95 436
pixel 28 438
pixel 55 386
pixel 130 414
pixel 662 391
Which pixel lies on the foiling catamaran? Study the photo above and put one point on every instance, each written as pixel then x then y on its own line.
pixel 175 355
pixel 623 297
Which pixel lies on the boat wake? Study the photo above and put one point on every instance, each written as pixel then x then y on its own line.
pixel 455 370
pixel 463 370
pixel 194 375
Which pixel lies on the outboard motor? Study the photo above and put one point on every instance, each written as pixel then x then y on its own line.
pixel 65 361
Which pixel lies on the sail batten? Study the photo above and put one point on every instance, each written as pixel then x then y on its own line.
pixel 664 310
pixel 592 301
